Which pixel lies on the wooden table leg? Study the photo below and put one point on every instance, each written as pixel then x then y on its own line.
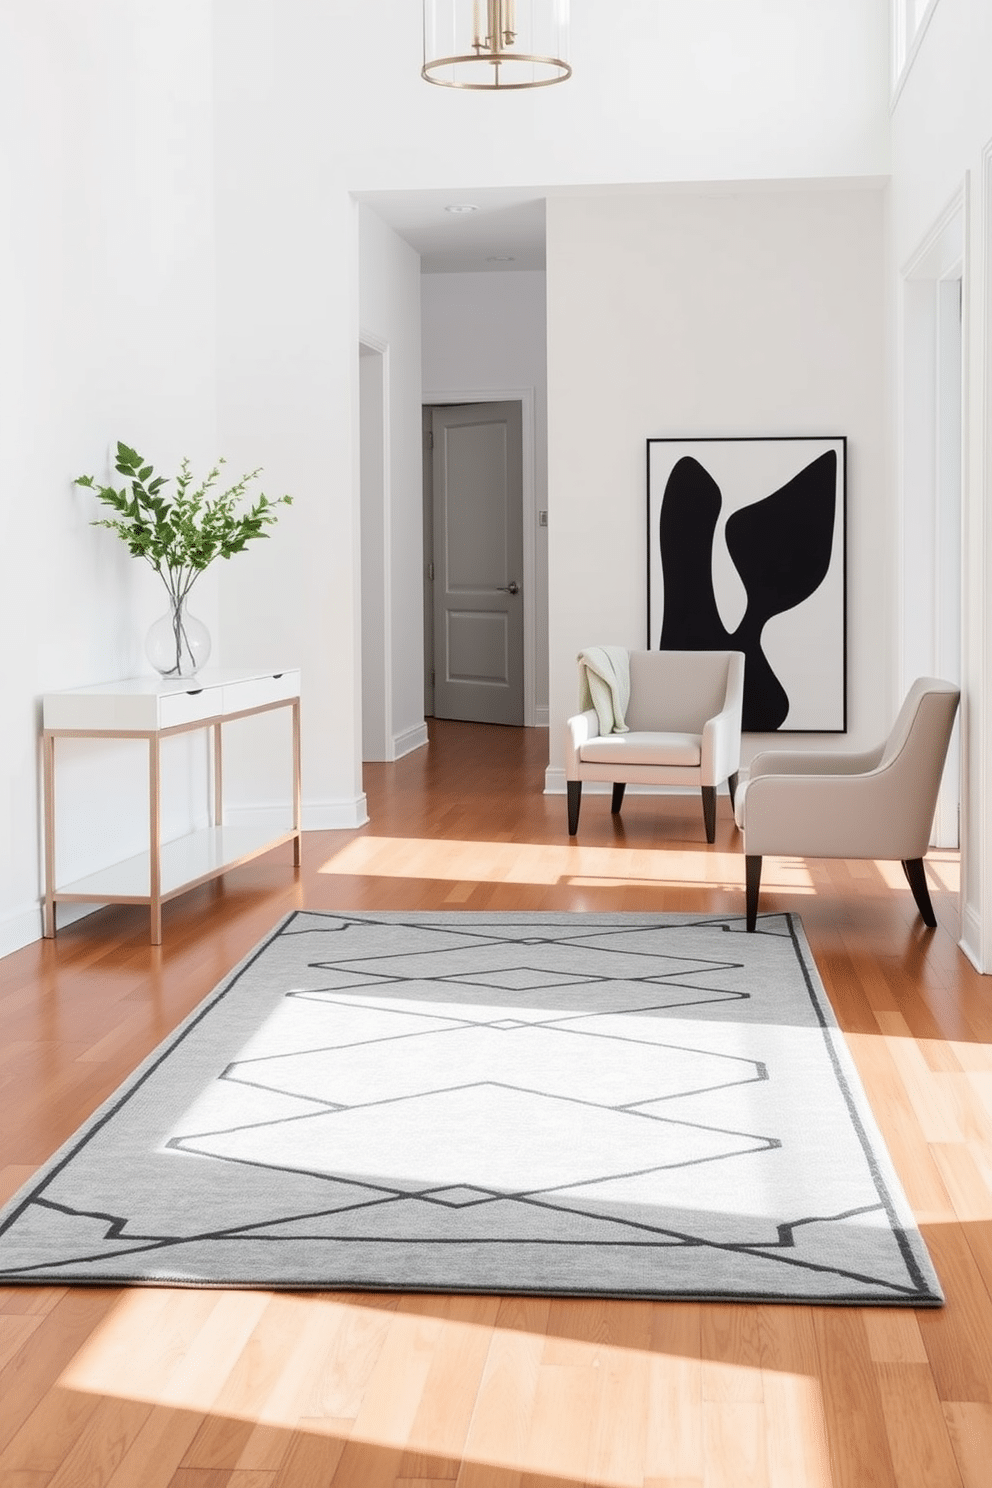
pixel 154 840
pixel 218 776
pixel 297 788
pixel 48 766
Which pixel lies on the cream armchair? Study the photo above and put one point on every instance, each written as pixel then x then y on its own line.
pixel 684 728
pixel 874 805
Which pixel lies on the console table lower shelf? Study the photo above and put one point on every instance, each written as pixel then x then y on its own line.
pixel 184 863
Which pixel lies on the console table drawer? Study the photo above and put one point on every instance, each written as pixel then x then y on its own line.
pixel 186 707
pixel 256 692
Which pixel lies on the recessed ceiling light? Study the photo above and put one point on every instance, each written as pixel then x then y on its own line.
pixel 501 258
pixel 458 207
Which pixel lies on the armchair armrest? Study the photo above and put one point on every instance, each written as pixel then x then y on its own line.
pixel 866 815
pixel 578 731
pixel 721 741
pixel 819 762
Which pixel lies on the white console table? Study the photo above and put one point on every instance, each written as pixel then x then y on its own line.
pixel 153 708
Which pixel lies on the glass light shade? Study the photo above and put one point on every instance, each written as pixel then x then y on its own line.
pixel 495 44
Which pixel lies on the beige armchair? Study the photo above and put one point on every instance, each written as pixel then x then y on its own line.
pixel 684 728
pixel 874 805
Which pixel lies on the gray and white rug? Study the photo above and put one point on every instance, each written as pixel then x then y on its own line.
pixel 603 1105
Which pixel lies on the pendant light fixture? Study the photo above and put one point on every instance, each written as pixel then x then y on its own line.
pixel 495 44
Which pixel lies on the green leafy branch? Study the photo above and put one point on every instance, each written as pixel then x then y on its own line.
pixel 182 536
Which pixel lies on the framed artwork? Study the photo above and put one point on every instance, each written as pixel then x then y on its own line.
pixel 747 551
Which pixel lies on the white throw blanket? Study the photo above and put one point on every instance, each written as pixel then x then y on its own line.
pixel 604 684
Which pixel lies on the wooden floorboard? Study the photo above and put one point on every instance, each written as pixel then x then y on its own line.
pixel 185 1389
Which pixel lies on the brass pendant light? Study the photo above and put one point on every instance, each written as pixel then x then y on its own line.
pixel 495 44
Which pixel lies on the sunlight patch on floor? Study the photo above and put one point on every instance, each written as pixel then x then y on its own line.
pixel 542 863
pixel 973 1057
pixel 941 873
pixel 615 867
pixel 944 867
pixel 333 1368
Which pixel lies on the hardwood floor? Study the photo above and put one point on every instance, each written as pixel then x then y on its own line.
pixel 198 1389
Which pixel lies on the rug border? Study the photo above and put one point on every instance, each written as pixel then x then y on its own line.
pixel 902 1222
pixel 53 1165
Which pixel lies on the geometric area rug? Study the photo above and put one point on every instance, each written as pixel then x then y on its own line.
pixel 619 1105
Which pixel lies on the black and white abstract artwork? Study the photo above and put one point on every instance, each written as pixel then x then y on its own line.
pixel 746 550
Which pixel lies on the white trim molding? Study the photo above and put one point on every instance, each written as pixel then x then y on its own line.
pixel 335 816
pixel 24 927
pixel 942 249
pixel 384 557
pixel 971 938
pixel 931 512
pixel 409 740
pixel 905 47
pixel 976 919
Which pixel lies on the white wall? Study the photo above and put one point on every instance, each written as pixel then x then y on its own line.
pixel 673 91
pixel 488 332
pixel 942 151
pixel 314 102
pixel 389 319
pixel 106 304
pixel 179 268
pixel 710 312
pixel 287 336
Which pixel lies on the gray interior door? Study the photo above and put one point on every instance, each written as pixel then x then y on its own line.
pixel 478 563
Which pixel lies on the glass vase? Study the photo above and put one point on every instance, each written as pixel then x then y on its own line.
pixel 178 644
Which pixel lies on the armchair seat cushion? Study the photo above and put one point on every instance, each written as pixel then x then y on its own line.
pixel 643 748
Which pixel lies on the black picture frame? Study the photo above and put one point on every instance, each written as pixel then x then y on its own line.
pixel 747 550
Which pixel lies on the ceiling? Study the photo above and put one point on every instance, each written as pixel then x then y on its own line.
pixel 504 232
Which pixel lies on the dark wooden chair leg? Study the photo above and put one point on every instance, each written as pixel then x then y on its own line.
pixel 709 811
pixel 752 880
pixel 917 879
pixel 619 786
pixel 574 788
pixel 732 788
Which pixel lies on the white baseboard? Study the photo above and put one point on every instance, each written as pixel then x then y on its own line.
pixel 335 816
pixel 25 926
pixel 318 816
pixel 542 717
pixel 20 929
pixel 971 939
pixel 409 740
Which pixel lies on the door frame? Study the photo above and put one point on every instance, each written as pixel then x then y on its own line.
pixel 528 498
pixel 375 547
pixel 931 631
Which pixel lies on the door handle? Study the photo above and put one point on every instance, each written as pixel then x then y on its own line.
pixel 511 588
